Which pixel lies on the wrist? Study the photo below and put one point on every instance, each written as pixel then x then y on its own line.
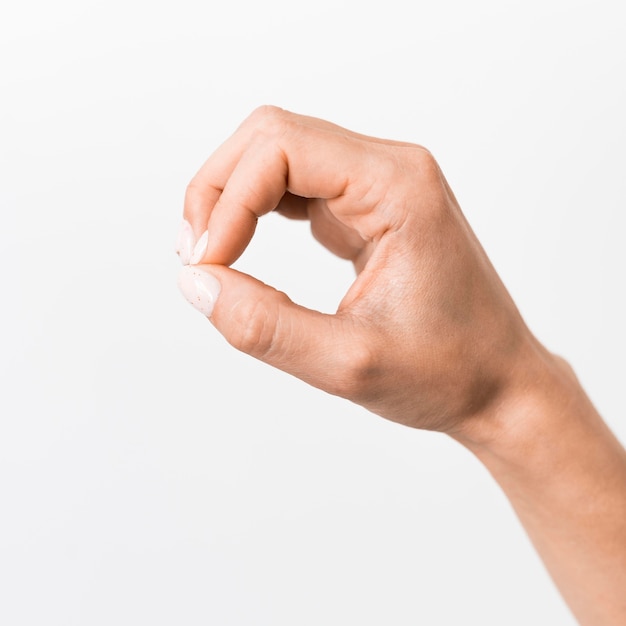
pixel 564 473
pixel 541 405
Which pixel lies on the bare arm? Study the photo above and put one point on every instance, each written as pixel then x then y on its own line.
pixel 426 336
pixel 564 472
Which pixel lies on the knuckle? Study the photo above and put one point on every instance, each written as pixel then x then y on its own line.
pixel 407 165
pixel 268 119
pixel 424 162
pixel 253 323
pixel 356 373
pixel 193 193
pixel 421 194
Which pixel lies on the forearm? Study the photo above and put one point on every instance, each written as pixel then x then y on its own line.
pixel 564 472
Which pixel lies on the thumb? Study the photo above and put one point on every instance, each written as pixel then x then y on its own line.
pixel 257 319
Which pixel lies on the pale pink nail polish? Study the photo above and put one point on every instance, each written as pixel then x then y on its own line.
pixel 185 242
pixel 200 248
pixel 199 288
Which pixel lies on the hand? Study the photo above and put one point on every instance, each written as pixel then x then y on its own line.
pixel 427 335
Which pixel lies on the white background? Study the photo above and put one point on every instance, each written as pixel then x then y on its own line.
pixel 149 474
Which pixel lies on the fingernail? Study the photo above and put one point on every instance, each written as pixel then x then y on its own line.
pixel 199 288
pixel 185 242
pixel 200 248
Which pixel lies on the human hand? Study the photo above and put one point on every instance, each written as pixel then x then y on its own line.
pixel 427 335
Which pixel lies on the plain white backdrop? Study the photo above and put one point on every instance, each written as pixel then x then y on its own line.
pixel 149 474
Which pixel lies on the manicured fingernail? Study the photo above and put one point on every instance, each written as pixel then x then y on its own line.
pixel 199 288
pixel 185 242
pixel 200 248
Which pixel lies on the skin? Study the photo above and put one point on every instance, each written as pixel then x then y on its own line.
pixel 427 335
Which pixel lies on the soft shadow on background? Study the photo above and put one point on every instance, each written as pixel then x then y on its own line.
pixel 149 474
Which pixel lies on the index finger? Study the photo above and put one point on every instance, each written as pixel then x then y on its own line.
pixel 285 153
